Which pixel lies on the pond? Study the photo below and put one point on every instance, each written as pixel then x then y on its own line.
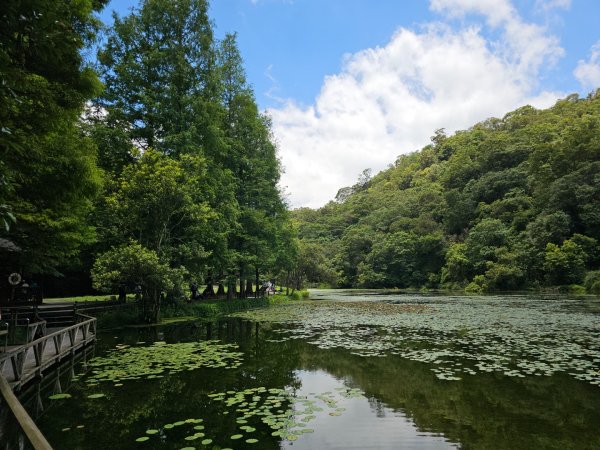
pixel 344 370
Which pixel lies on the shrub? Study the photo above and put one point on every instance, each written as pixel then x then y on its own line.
pixel 592 282
pixel 477 286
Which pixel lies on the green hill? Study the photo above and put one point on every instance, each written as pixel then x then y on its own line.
pixel 510 203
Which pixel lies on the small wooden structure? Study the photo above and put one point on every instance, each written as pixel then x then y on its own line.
pixel 21 363
pixel 43 348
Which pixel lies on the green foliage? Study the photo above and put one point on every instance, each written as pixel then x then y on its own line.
pixel 509 204
pixel 564 264
pixel 209 169
pixel 592 282
pixel 507 272
pixel 133 265
pixel 299 295
pixel 213 309
pixel 176 193
pixel 48 174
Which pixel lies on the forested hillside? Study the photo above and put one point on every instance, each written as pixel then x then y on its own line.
pixel 511 203
pixel 153 168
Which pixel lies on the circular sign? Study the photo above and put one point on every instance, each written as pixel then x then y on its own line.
pixel 14 278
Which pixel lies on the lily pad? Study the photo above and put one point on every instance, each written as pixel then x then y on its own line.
pixel 95 396
pixel 59 396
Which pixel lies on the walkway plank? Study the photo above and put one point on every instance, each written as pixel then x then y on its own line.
pixel 22 363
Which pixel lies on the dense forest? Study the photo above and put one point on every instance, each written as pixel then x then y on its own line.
pixel 509 204
pixel 153 167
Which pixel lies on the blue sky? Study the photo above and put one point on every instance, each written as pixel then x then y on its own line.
pixel 351 84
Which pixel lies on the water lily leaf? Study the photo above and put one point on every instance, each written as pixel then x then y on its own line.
pixel 95 396
pixel 59 396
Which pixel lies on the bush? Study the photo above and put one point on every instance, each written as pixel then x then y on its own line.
pixel 576 289
pixel 592 282
pixel 213 309
pixel 299 295
pixel 121 317
pixel 477 286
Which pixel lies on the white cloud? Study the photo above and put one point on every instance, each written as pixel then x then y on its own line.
pixel 588 72
pixel 389 100
pixel 547 5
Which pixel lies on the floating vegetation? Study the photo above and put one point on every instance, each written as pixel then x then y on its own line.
pixel 95 396
pixel 459 336
pixel 274 411
pixel 59 396
pixel 154 361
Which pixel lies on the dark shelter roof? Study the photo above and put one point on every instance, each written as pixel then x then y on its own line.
pixel 8 246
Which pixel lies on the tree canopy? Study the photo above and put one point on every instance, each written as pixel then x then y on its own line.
pixel 164 151
pixel 510 203
pixel 48 174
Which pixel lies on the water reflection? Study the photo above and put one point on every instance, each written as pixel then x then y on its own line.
pixel 368 423
pixel 403 404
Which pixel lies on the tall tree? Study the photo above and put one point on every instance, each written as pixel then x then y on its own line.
pixel 253 161
pixel 159 69
pixel 173 89
pixel 48 169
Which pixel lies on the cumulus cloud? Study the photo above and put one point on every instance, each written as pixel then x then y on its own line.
pixel 389 100
pixel 588 72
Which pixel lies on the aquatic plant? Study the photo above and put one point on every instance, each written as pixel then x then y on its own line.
pixel 457 336
pixel 154 361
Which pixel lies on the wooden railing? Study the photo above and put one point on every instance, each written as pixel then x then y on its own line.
pixel 4 332
pixel 26 423
pixel 27 361
pixel 21 364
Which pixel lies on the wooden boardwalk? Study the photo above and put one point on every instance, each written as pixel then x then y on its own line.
pixel 20 364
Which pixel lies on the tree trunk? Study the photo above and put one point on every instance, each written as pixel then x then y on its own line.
pixel 209 291
pixel 249 288
pixel 157 302
pixel 231 286
pixel 242 292
pixel 221 290
pixel 257 282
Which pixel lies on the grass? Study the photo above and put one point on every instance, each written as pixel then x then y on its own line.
pixel 213 309
pixel 128 314
pixel 85 298
pixel 182 312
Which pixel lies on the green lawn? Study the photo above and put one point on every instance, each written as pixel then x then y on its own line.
pixel 85 298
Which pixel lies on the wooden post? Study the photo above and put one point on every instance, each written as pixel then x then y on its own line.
pixel 33 433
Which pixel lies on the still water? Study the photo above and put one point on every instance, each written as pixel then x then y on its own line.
pixel 345 370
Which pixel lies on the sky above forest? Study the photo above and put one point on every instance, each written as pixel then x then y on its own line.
pixel 352 84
